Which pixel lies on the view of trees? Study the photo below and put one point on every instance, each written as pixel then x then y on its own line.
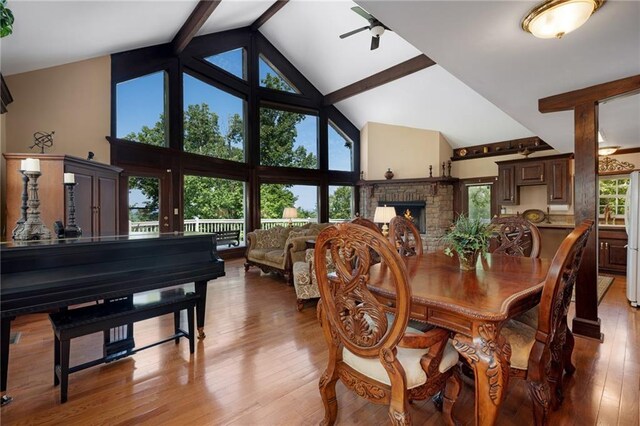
pixel 480 202
pixel 214 198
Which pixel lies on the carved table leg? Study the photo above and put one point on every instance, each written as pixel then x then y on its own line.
pixel 488 354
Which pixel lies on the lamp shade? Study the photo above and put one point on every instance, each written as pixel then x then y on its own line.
pixel 384 214
pixel 555 18
pixel 607 150
pixel 290 213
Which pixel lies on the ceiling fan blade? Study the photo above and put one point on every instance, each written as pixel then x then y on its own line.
pixel 350 33
pixel 360 11
pixel 375 42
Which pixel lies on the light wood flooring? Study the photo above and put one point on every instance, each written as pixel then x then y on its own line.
pixel 260 364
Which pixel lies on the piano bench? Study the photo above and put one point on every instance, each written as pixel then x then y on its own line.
pixel 105 316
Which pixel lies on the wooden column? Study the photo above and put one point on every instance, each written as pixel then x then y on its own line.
pixel 586 321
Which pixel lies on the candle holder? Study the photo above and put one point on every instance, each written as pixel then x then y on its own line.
pixel 25 197
pixel 71 230
pixel 33 228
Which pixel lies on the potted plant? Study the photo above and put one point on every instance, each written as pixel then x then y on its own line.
pixel 469 237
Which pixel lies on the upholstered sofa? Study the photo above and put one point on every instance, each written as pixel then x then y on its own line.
pixel 278 248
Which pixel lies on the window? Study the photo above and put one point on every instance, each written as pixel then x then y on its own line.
pixel 340 203
pixel 272 78
pixel 233 61
pixel 214 123
pixel 144 205
pixel 275 197
pixel 479 202
pixel 213 205
pixel 613 193
pixel 141 109
pixel 340 150
pixel 288 139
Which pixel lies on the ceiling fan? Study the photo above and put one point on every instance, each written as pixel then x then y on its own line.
pixel 375 27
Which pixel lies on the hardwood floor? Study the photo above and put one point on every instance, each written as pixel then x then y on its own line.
pixel 261 362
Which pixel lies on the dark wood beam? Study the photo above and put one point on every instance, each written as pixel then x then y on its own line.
pixel 597 93
pixel 196 20
pixel 279 4
pixel 383 77
pixel 5 95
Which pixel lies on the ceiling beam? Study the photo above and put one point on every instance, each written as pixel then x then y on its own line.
pixel 597 93
pixel 383 77
pixel 279 4
pixel 194 22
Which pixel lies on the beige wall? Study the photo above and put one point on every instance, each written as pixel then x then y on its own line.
pixel 405 150
pixel 3 172
pixel 74 100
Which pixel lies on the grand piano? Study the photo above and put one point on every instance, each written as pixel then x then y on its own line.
pixel 39 276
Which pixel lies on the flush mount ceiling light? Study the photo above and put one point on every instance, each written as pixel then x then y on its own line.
pixel 555 18
pixel 605 149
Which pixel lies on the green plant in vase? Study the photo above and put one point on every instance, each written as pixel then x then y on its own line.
pixel 469 237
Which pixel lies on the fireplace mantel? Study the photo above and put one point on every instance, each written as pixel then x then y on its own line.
pixel 433 182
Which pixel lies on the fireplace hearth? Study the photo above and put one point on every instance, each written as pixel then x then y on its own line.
pixel 415 208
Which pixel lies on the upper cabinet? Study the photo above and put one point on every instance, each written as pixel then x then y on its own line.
pixel 552 171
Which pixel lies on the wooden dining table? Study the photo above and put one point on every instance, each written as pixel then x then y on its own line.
pixel 473 305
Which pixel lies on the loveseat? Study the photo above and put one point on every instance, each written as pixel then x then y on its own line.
pixel 278 248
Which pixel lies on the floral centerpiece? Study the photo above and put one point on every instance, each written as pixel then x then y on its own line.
pixel 469 237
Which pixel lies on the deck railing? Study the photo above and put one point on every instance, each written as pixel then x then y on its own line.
pixel 217 225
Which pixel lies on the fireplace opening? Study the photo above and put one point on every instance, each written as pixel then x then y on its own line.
pixel 415 208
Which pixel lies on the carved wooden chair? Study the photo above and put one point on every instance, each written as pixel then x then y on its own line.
pixel 539 355
pixel 404 235
pixel 515 236
pixel 366 223
pixel 374 354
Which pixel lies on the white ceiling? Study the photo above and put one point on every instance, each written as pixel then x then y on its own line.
pixel 481 43
pixel 498 71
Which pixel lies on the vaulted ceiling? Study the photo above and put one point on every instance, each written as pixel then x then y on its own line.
pixel 484 88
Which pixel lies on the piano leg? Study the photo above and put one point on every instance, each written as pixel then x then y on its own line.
pixel 5 337
pixel 201 290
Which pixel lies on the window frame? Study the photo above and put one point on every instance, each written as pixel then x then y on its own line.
pixel 623 197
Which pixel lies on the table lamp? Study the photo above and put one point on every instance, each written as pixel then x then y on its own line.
pixel 384 215
pixel 290 213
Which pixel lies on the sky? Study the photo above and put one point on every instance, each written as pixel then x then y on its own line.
pixel 140 102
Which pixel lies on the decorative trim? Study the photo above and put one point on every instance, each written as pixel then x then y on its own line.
pixel 362 389
pixel 608 164
pixel 493 149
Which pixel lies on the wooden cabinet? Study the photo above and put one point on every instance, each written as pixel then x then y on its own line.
pixel 530 173
pixel 508 194
pixel 96 193
pixel 553 171
pixel 558 181
pixel 612 250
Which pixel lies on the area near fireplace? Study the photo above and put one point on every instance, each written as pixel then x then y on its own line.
pixel 429 200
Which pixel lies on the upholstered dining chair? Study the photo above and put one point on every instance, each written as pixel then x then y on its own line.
pixel 541 353
pixel 515 236
pixel 374 354
pixel 404 235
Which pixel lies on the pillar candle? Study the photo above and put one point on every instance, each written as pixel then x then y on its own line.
pixel 32 165
pixel 23 165
pixel 69 178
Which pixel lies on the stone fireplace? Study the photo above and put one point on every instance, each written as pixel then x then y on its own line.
pixel 429 200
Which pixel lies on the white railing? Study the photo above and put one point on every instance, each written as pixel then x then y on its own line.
pixel 217 225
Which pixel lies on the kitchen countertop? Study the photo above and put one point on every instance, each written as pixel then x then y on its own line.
pixel 555 225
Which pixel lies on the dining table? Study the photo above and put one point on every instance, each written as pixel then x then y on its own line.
pixel 474 305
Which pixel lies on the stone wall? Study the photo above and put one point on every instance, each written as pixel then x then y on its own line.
pixel 438 210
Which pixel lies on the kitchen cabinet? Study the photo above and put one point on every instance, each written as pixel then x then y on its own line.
pixel 612 250
pixel 95 193
pixel 530 173
pixel 508 195
pixel 554 172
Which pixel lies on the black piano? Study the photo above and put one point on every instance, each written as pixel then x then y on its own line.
pixel 39 276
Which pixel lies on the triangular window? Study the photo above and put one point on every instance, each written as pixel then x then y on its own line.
pixel 232 61
pixel 272 78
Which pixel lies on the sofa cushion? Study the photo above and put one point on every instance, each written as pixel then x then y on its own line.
pixel 269 237
pixel 275 256
pixel 315 228
pixel 260 253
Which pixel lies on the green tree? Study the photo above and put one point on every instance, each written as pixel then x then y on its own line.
pixel 340 203
pixel 213 198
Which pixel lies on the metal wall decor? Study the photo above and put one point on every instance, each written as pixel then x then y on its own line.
pixel 608 164
pixel 42 140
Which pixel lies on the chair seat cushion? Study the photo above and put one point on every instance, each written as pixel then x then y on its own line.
pixel 301 275
pixel 410 360
pixel 260 253
pixel 521 337
pixel 530 317
pixel 276 255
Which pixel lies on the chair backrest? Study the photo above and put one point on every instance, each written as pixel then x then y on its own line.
pixel 558 286
pixel 404 235
pixel 357 320
pixel 515 236
pixel 366 223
